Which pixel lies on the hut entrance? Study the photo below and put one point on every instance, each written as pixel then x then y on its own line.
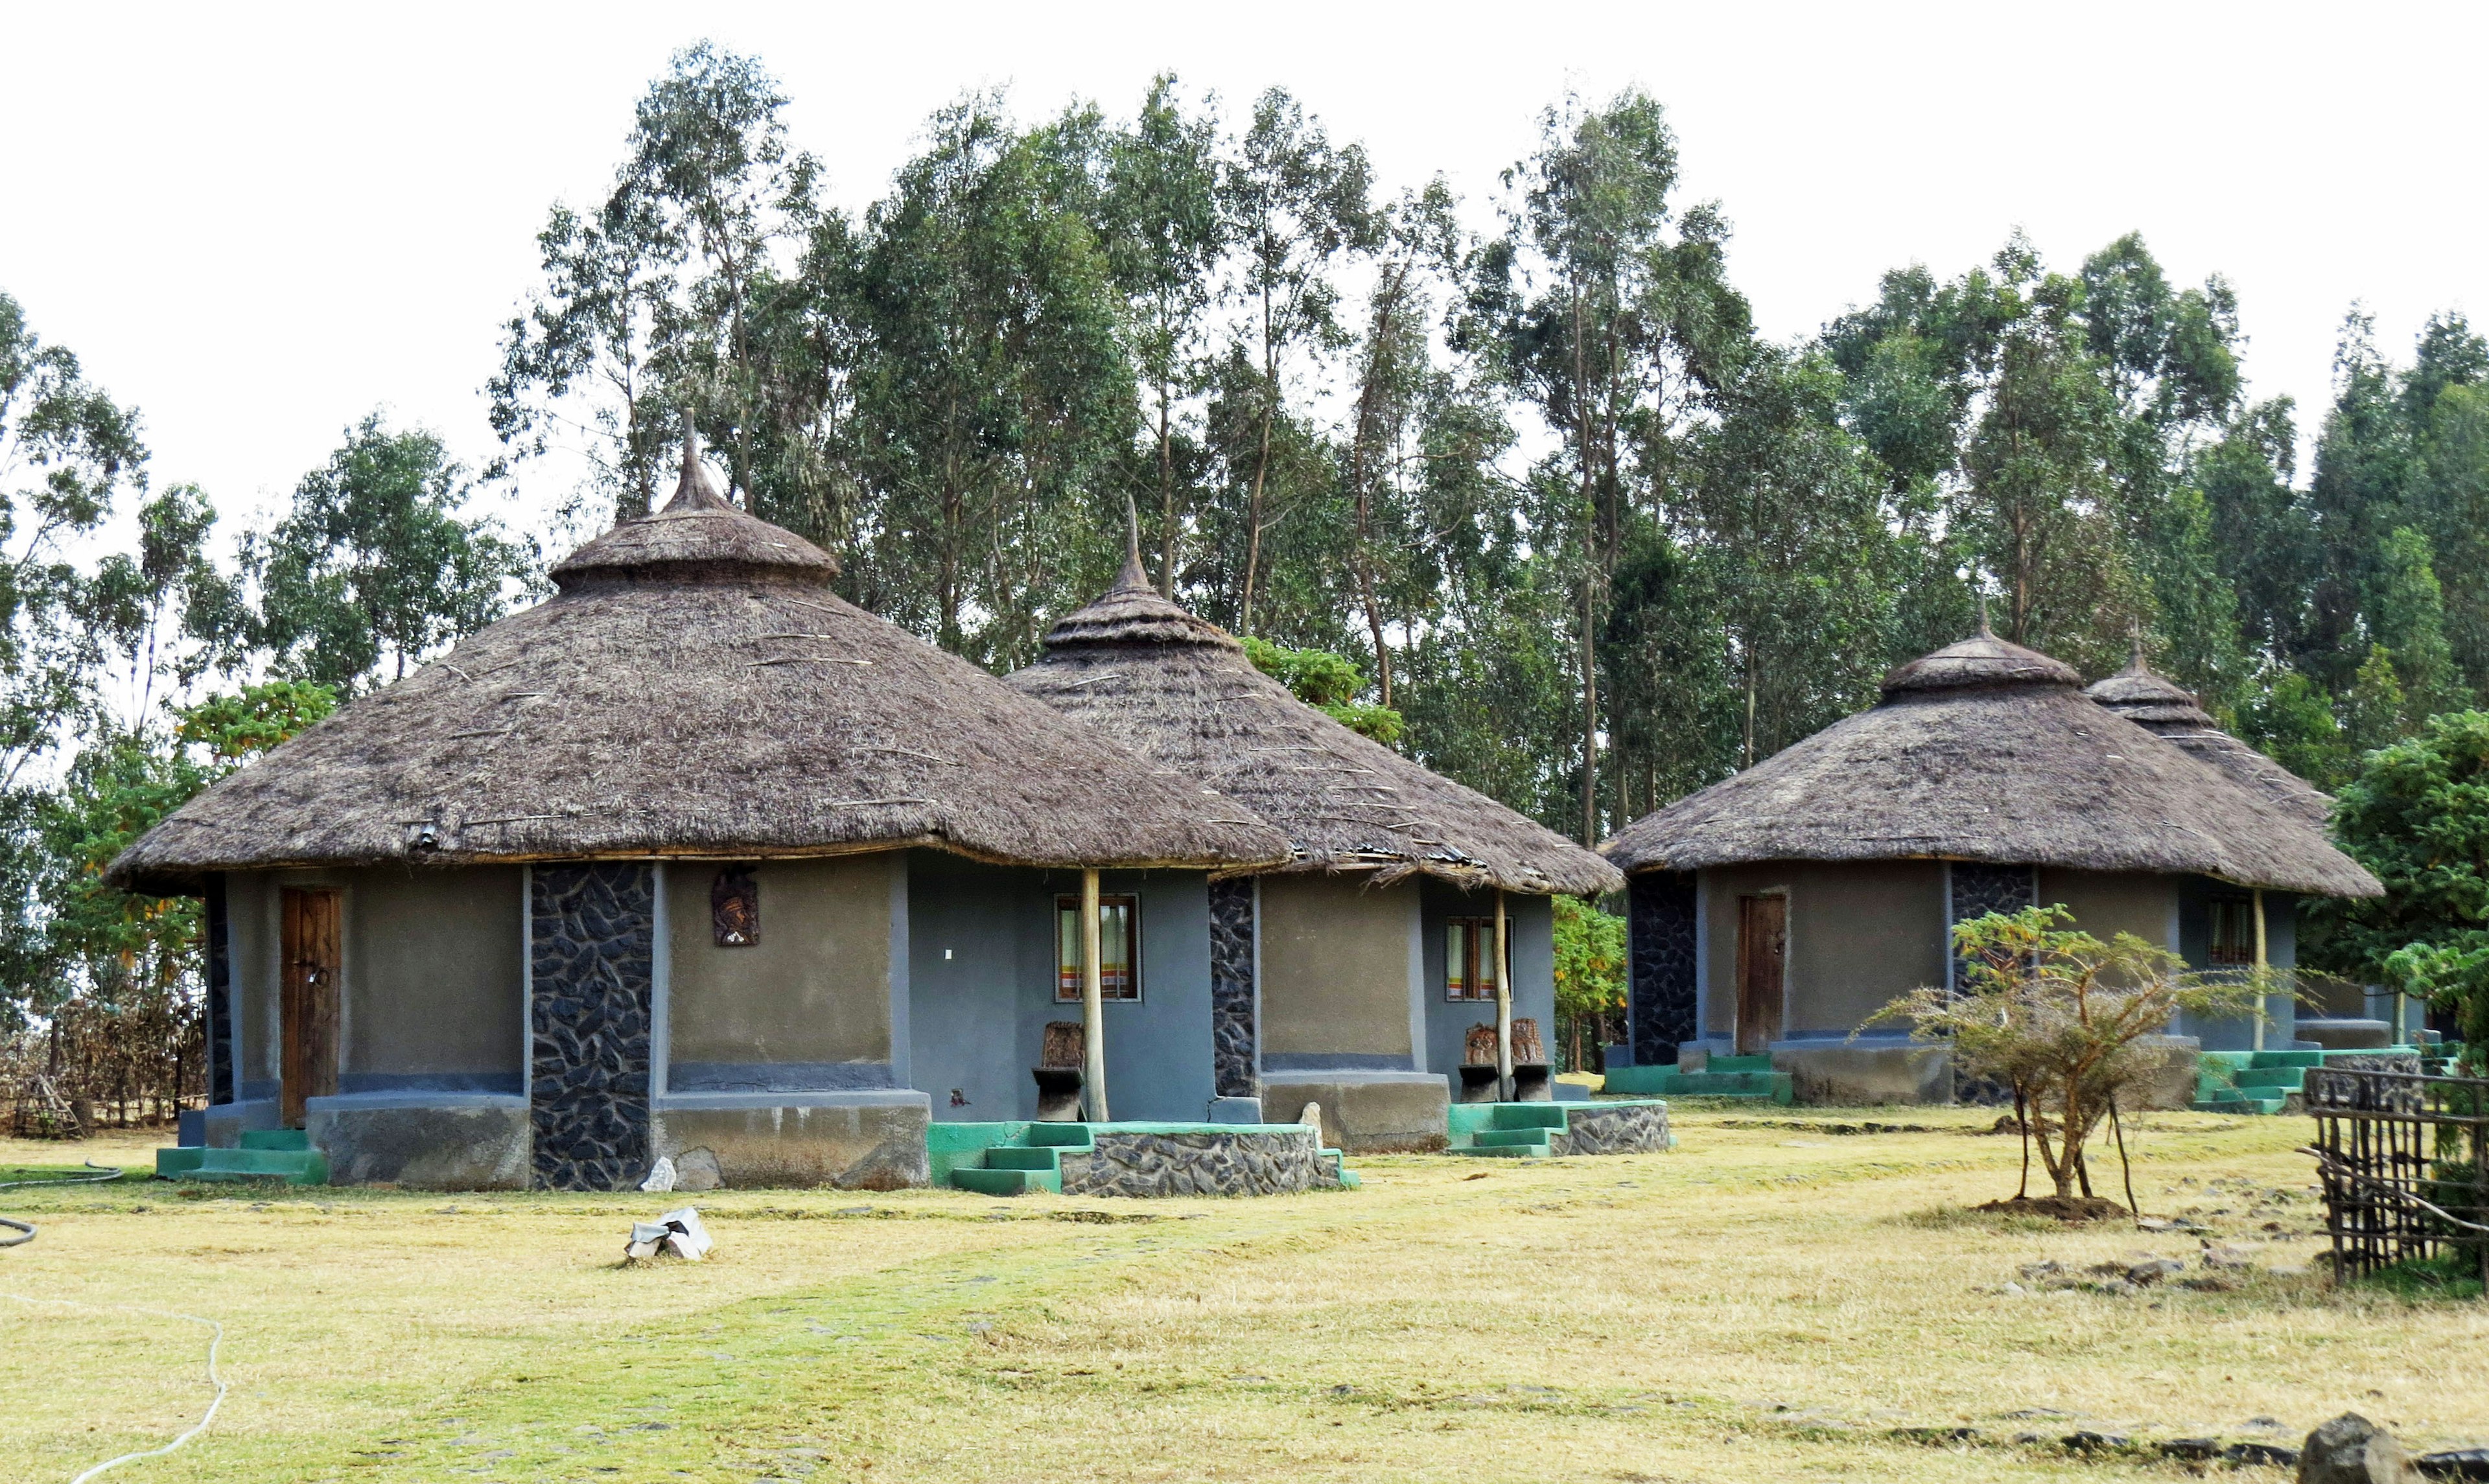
pixel 309 1002
pixel 1762 948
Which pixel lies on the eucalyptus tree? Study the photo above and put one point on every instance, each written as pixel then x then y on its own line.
pixel 1613 316
pixel 993 396
pixel 1164 236
pixel 1296 207
pixel 650 301
pixel 66 451
pixel 375 565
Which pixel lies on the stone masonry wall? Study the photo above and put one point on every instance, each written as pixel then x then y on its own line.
pixel 1613 1128
pixel 1239 1163
pixel 591 935
pixel 1233 1034
pixel 220 1007
pixel 1660 913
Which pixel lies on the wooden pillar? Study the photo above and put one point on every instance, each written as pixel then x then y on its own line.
pixel 2262 989
pixel 1502 1006
pixel 1093 1006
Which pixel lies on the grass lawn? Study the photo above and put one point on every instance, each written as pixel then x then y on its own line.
pixel 1766 1303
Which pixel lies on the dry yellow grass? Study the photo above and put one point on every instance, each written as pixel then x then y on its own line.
pixel 1764 1303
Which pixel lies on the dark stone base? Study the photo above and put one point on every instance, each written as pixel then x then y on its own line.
pixel 1233 1032
pixel 1258 1162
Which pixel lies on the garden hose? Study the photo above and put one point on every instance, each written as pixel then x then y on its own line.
pixel 27 1228
pixel 104 1174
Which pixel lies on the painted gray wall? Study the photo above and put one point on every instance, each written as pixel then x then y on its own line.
pixel 2195 896
pixel 1337 980
pixel 432 990
pixel 981 989
pixel 1531 921
pixel 1859 936
pixel 806 1006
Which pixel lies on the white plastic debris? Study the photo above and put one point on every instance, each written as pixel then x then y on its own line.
pixel 661 1176
pixel 678 1232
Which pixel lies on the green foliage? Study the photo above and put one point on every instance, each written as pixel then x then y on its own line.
pixel 2058 1016
pixel 1328 683
pixel 2418 816
pixel 1589 960
pixel 374 567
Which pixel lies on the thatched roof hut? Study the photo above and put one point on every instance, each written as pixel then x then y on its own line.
pixel 2168 710
pixel 695 688
pixel 1987 752
pixel 1180 691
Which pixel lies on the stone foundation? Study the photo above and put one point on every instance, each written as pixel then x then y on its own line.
pixel 442 1141
pixel 852 1141
pixel 1847 1073
pixel 1612 1128
pixel 1255 1161
pixel 1364 1112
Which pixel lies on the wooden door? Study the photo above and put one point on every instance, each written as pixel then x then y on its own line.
pixel 1762 951
pixel 308 999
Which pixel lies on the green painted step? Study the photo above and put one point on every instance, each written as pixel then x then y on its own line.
pixel 174 1163
pixel 1490 1136
pixel 293 1166
pixel 1007 1182
pixel 1006 1156
pixel 2294 1078
pixel 1761 1061
pixel 295 1139
pixel 1537 1151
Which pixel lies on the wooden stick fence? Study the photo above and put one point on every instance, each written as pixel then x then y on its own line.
pixel 2404 1158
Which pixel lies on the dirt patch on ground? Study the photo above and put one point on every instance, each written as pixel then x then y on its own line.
pixel 2074 1210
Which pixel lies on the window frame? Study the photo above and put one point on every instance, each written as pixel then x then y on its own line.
pixel 2240 913
pixel 1067 957
pixel 1471 929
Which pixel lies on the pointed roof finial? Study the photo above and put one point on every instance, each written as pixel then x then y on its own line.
pixel 692 491
pixel 2135 663
pixel 1134 576
pixel 1985 632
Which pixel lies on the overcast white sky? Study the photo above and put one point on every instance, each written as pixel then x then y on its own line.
pixel 259 223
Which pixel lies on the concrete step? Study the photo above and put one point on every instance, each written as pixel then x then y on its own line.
pixel 276 1138
pixel 1527 1116
pixel 2291 1078
pixel 1760 1062
pixel 174 1163
pixel 1061 1136
pixel 1538 1151
pixel 1007 1182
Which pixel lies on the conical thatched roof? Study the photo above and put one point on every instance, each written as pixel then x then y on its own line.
pixel 695 688
pixel 1986 751
pixel 2169 711
pixel 1180 691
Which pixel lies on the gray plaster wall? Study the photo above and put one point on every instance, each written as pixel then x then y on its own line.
pixel 814 991
pixel 1860 936
pixel 434 988
pixel 2108 902
pixel 250 921
pixel 980 990
pixel 1531 921
pixel 1341 965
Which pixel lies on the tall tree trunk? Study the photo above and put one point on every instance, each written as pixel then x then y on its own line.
pixel 1166 496
pixel 1261 470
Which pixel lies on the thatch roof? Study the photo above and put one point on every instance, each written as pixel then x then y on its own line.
pixel 1180 691
pixel 2171 712
pixel 695 688
pixel 1985 751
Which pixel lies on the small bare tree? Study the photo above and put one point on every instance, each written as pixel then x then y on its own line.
pixel 2059 1016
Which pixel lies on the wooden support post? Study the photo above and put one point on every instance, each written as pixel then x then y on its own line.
pixel 1502 1007
pixel 1092 1005
pixel 2262 989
